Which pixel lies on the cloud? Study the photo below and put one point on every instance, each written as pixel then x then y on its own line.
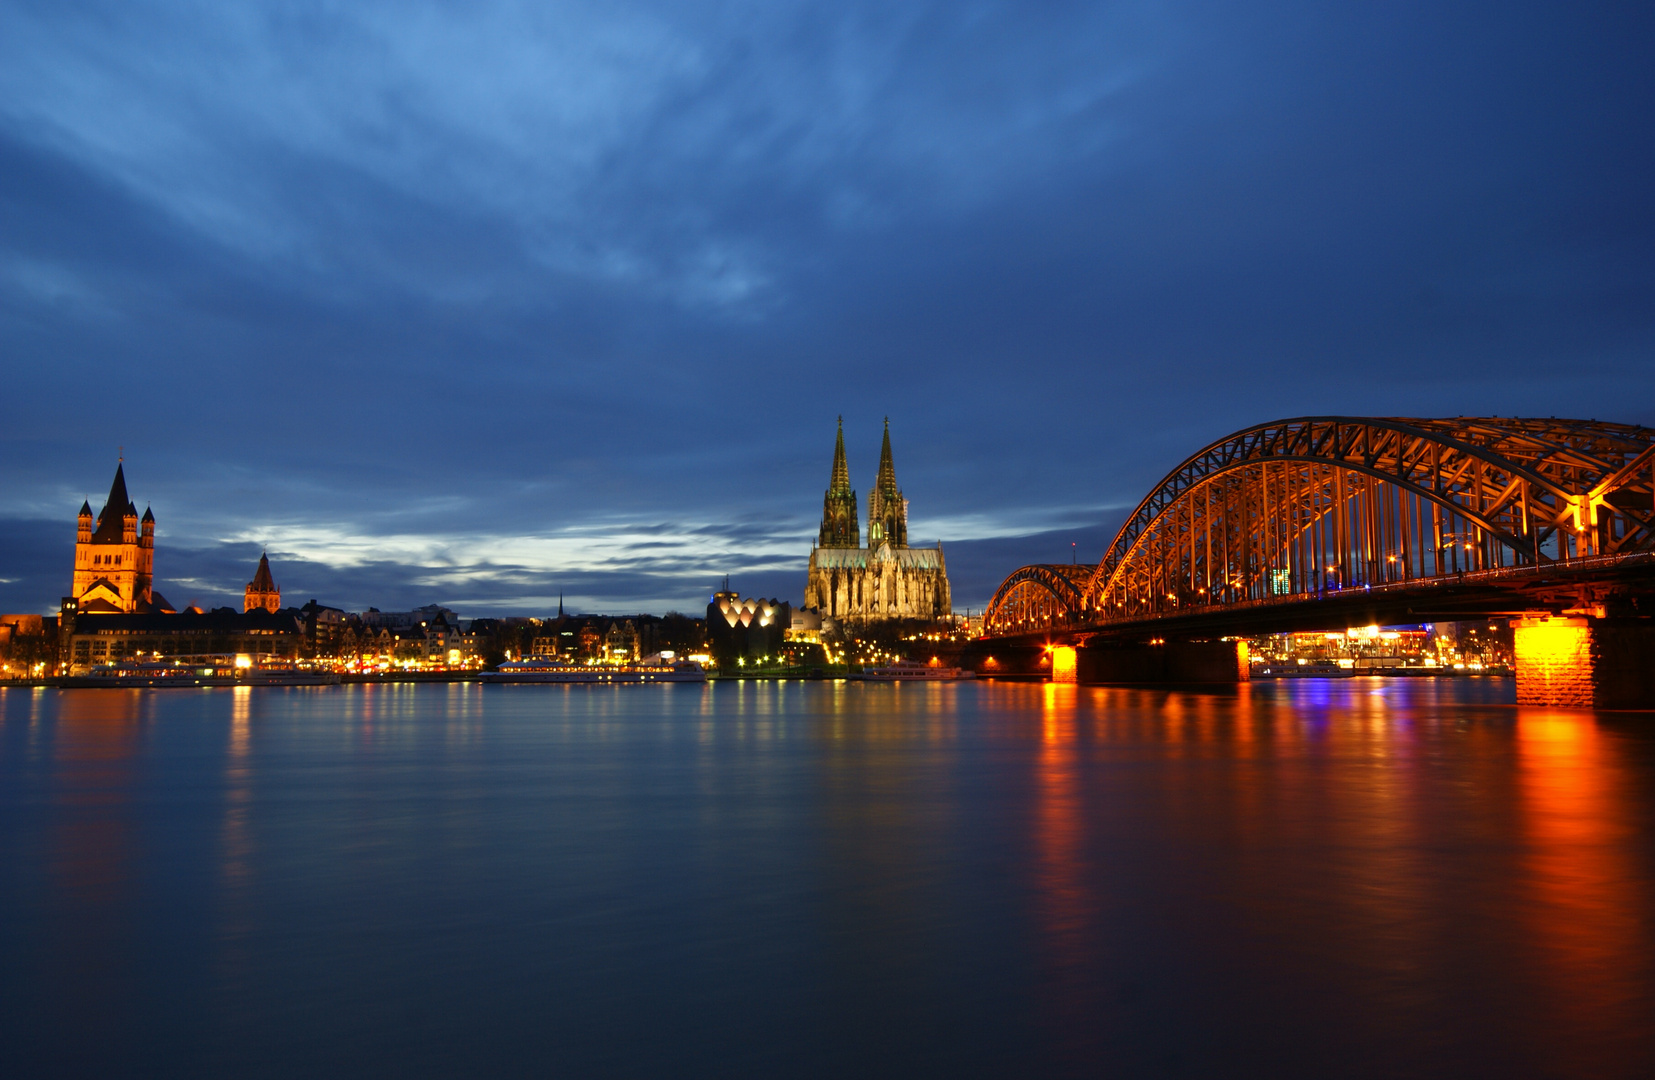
pixel 512 285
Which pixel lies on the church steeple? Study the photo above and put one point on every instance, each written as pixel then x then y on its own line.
pixel 262 591
pixel 887 509
pixel 111 517
pixel 841 524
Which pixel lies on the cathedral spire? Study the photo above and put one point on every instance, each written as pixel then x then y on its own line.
pixel 841 525
pixel 887 469
pixel 841 471
pixel 887 509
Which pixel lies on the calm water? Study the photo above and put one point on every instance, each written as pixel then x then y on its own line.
pixel 1358 878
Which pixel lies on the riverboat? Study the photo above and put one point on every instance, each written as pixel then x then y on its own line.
pixel 202 671
pixel 539 670
pixel 914 671
pixel 288 673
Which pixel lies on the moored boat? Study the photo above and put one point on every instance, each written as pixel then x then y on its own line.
pixel 202 671
pixel 914 671
pixel 543 670
pixel 292 673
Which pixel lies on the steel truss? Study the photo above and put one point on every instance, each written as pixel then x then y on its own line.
pixel 1040 597
pixel 1314 505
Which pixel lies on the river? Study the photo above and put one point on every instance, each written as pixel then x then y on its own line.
pixel 1352 878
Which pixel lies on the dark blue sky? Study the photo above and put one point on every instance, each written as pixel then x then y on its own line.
pixel 479 302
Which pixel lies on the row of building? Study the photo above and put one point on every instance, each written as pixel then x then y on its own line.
pixel 114 612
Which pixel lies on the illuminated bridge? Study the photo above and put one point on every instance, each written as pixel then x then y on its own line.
pixel 1321 523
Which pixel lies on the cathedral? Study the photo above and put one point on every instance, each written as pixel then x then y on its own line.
pixel 885 580
pixel 115 557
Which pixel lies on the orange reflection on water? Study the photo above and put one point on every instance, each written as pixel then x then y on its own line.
pixel 95 742
pixel 1066 907
pixel 1588 907
pixel 238 788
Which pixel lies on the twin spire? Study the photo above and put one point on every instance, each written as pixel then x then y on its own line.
pixel 841 472
pixel 887 509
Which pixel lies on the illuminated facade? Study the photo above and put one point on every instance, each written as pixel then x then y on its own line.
pixel 262 591
pixel 738 628
pixel 115 557
pixel 885 580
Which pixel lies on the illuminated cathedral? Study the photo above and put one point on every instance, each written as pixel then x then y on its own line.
pixel 115 556
pixel 885 580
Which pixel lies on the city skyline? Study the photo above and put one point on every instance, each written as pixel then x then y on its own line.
pixel 480 307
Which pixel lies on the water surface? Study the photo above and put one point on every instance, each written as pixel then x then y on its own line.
pixel 1353 878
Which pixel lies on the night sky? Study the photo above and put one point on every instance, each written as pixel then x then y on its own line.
pixel 477 303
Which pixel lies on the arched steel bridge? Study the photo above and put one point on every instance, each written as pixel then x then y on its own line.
pixel 1356 510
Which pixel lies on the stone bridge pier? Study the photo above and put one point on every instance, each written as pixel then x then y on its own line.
pixel 1585 662
pixel 1172 662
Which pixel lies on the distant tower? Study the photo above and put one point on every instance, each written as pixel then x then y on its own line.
pixel 841 527
pixel 887 509
pixel 262 591
pixel 114 561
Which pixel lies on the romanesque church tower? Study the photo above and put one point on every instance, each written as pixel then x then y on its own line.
pixel 262 591
pixel 885 580
pixel 115 558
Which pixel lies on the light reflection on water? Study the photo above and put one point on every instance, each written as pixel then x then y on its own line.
pixel 1352 878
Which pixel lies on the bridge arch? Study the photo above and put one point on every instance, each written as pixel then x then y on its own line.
pixel 1039 597
pixel 1314 504
pixel 1317 504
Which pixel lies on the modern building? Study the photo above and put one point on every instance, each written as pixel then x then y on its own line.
pixel 885 580
pixel 115 557
pixel 738 628
pixel 262 591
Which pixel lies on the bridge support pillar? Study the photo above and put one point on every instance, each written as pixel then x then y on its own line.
pixel 1585 662
pixel 1173 662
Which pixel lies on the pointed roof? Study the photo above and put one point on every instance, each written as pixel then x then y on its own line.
pixel 117 490
pixel 149 515
pixel 109 518
pixel 262 582
pixel 85 509
pixel 887 470
pixel 840 484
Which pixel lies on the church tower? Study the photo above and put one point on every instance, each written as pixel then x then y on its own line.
pixel 262 591
pixel 114 559
pixel 841 525
pixel 887 509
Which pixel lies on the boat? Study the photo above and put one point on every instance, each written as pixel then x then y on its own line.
pixel 156 673
pixel 536 669
pixel 203 671
pixel 1314 669
pixel 914 671
pixel 287 673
